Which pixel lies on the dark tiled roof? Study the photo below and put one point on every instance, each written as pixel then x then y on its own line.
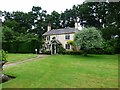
pixel 60 31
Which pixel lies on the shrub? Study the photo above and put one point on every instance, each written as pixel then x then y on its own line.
pixel 46 52
pixel 70 42
pixel 72 52
pixel 109 50
pixel 3 55
pixel 108 47
pixel 95 51
pixel 60 49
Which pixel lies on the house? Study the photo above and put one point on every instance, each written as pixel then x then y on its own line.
pixel 60 36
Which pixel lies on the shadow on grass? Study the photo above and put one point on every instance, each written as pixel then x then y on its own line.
pixel 5 78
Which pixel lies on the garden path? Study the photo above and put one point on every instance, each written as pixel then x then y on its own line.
pixel 27 60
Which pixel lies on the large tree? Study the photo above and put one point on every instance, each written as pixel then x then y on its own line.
pixel 53 19
pixel 88 38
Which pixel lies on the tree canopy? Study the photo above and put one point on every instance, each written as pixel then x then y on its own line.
pixel 101 15
pixel 88 38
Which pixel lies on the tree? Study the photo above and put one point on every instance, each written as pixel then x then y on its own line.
pixel 53 19
pixel 7 34
pixel 88 38
pixel 0 35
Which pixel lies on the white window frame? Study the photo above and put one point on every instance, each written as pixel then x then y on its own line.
pixel 67 46
pixel 67 36
pixel 48 38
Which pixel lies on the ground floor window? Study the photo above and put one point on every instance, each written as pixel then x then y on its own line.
pixel 67 46
pixel 48 47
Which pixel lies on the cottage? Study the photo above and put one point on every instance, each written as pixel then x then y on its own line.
pixel 60 36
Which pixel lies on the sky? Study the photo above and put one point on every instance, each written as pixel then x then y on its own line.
pixel 49 5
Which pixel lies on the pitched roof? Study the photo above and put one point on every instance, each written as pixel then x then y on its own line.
pixel 60 31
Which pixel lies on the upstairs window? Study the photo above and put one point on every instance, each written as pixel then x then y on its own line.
pixel 67 36
pixel 48 38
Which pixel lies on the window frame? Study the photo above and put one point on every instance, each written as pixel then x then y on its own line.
pixel 67 46
pixel 67 36
pixel 48 38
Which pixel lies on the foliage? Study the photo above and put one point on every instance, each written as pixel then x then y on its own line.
pixel 111 46
pixel 102 15
pixel 21 46
pixel 109 50
pixel 97 14
pixel 61 49
pixel 117 45
pixel 109 32
pixel 96 51
pixel 7 34
pixel 53 19
pixel 26 37
pixel 71 52
pixel 46 52
pixel 74 48
pixel 1 34
pixel 70 42
pixel 19 42
pixel 3 55
pixel 24 27
pixel 88 38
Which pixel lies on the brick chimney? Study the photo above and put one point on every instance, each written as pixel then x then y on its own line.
pixel 49 27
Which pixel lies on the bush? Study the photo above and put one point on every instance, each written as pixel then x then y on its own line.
pixel 109 50
pixel 3 55
pixel 95 51
pixel 109 47
pixel 46 52
pixel 71 52
pixel 60 49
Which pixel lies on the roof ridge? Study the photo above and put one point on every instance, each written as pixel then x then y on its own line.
pixel 60 31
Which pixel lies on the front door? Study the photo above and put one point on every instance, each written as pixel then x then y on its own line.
pixel 53 49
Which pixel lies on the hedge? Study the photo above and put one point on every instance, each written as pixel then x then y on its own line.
pixel 21 47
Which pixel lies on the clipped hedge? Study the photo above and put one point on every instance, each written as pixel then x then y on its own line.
pixel 21 47
pixel 71 52
pixel 46 52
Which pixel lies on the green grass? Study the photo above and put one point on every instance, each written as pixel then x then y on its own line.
pixel 19 57
pixel 66 71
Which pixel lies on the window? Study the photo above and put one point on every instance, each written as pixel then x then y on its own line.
pixel 67 36
pixel 48 47
pixel 48 38
pixel 67 46
pixel 54 38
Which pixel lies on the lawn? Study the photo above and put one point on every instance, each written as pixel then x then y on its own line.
pixel 19 57
pixel 65 71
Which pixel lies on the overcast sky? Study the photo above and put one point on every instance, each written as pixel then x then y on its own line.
pixel 49 5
